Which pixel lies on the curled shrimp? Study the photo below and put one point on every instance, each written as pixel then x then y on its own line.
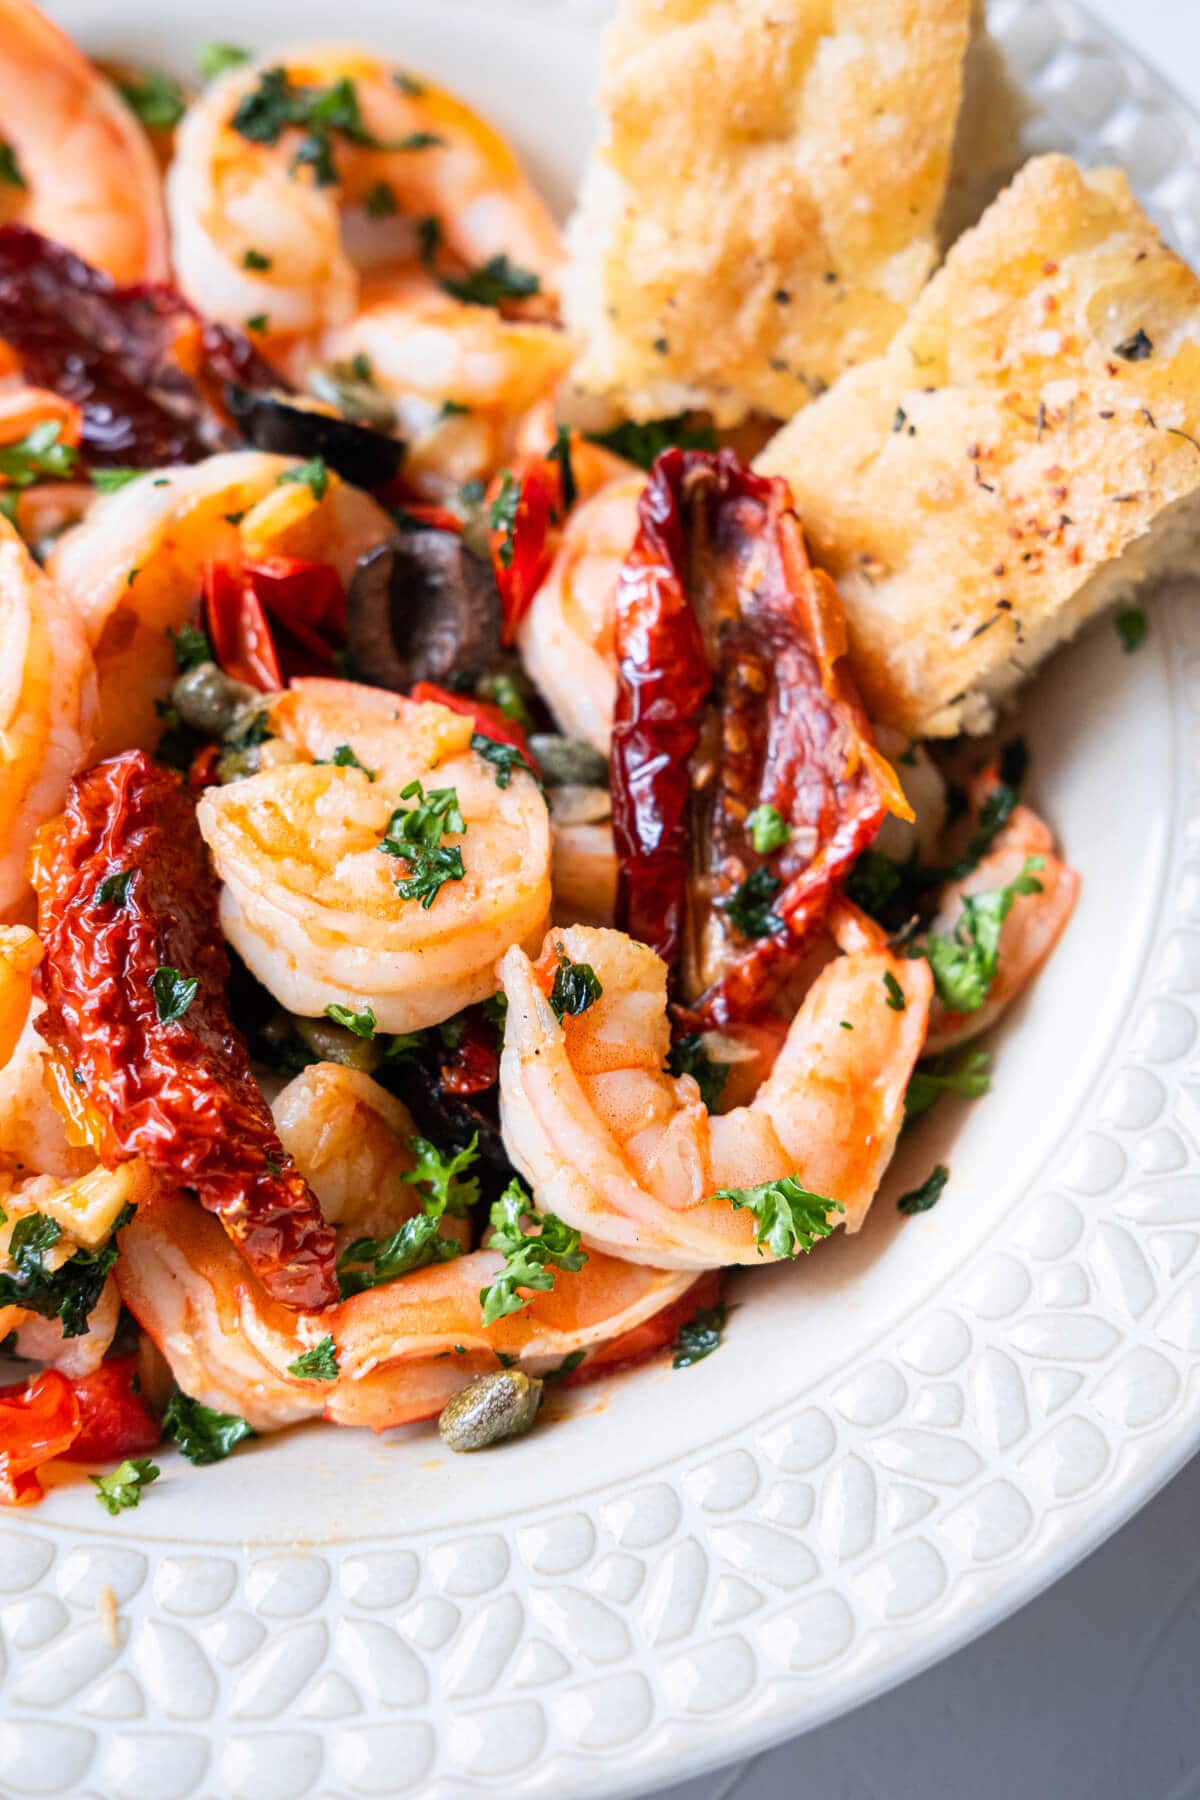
pixel 458 376
pixel 631 1157
pixel 1030 931
pixel 254 233
pixel 47 708
pixel 566 638
pixel 133 568
pixel 87 173
pixel 310 899
pixel 404 1348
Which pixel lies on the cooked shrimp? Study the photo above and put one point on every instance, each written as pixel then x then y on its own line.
pixel 255 233
pixel 20 954
pixel 47 709
pixel 459 376
pixel 87 173
pixel 133 569
pixel 1029 933
pixel 310 900
pixel 566 638
pixel 630 1156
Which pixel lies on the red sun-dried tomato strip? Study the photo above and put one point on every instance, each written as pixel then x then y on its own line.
pixel 722 548
pixel 39 1420
pixel 144 368
pixel 178 1093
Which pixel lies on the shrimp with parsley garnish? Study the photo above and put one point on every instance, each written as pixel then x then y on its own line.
pixel 631 1156
pixel 382 863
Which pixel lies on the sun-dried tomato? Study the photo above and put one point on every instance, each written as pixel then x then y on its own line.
pixel 474 1063
pixel 177 1091
pixel 276 619
pixel 238 630
pixel 528 503
pixel 663 680
pixel 145 370
pixel 39 1420
pixel 489 720
pixel 718 594
pixel 114 1420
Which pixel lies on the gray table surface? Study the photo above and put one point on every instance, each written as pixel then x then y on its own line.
pixel 1092 1692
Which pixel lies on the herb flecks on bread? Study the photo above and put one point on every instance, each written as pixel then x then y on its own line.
pixel 1026 452
pixel 762 210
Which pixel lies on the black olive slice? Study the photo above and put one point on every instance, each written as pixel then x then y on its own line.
pixel 420 607
pixel 365 458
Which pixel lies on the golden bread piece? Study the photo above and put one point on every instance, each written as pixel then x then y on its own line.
pixel 762 211
pixel 1026 452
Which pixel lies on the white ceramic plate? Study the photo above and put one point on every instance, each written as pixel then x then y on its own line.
pixel 901 1439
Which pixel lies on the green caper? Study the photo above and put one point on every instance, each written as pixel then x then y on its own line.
pixel 499 1405
pixel 209 700
pixel 356 399
pixel 333 1043
pixel 568 762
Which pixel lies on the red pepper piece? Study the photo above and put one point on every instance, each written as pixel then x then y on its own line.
pixel 663 681
pixel 301 594
pixel 475 1062
pixel 723 547
pixel 178 1092
pixel 39 1420
pixel 146 371
pixel 238 630
pixel 523 549
pixel 489 720
pixel 114 1420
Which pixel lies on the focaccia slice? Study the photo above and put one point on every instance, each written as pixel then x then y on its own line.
pixel 1026 452
pixel 762 209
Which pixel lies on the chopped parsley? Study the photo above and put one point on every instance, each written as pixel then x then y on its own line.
pixel 277 105
pixel 110 481
pixel 258 322
pixel 895 993
pixel 768 829
pixel 965 962
pixel 381 201
pixel 254 259
pixel 318 1364
pixel 560 453
pixel 369 1262
pixel 217 59
pixel 504 758
pixel 566 1367
pixel 576 986
pixel 687 1056
pixel 157 100
pixel 312 474
pixel 203 1435
pixel 121 1491
pixel 414 834
pixel 68 1293
pixel 431 870
pixel 699 1336
pixel 191 646
pixel 502 691
pixel 530 1257
pixel 939 1075
pixel 362 1023
pixel 749 906
pixel 345 758
pixel 1133 628
pixel 788 1218
pixel 440 1173
pixel 114 889
pixel 920 1199
pixel 492 284
pixel 173 992
pixel 38 453
pixel 495 1010
pixel 10 168
pixel 642 444
pixel 502 516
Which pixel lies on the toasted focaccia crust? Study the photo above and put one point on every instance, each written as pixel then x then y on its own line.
pixel 762 209
pixel 1026 451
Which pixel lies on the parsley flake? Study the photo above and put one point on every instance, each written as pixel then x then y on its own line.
pixel 68 1293
pixel 440 1173
pixel 122 1490
pixel 576 986
pixel 369 1262
pixel 644 443
pixel 114 889
pixel 110 481
pixel 492 284
pixel 345 758
pixel 414 834
pixel 191 646
pixel 381 201
pixel 687 1056
pixel 203 1435
pixel 920 1199
pixel 10 168
pixel 560 453
pixel 504 758
pixel 362 1024
pixel 768 829
pixel 939 1075
pixel 318 1364
pixel 1133 628
pixel 217 59
pixel 530 1257
pixel 965 962
pixel 699 1336
pixel 895 993
pixel 157 100
pixel 502 516
pixel 749 906
pixel 788 1217
pixel 254 259
pixel 258 322
pixel 38 453
pixel 313 474
pixel 173 992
